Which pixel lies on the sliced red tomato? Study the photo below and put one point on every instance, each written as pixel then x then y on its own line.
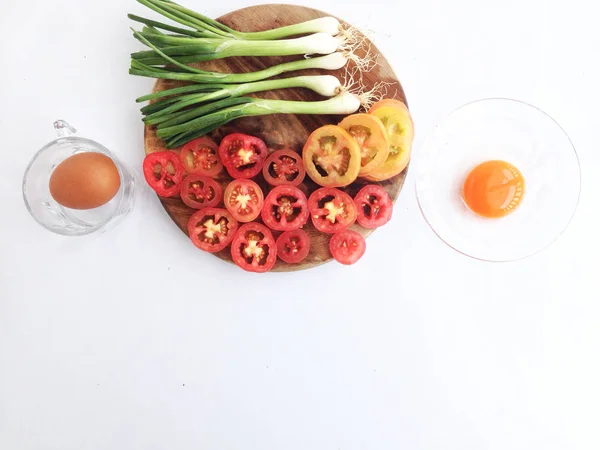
pixel 331 210
pixel 163 171
pixel 399 126
pixel 253 248
pixel 331 156
pixel 371 137
pixel 373 205
pixel 200 191
pixel 212 229
pixel 244 200
pixel 293 246
pixel 243 155
pixel 284 167
pixel 285 209
pixel 347 246
pixel 201 156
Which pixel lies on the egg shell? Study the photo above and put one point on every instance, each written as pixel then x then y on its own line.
pixel 85 181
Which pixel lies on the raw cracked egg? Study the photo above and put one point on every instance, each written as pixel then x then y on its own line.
pixel 85 181
pixel 493 189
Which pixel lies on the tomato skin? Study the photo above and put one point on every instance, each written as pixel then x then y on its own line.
pixel 331 210
pixel 243 156
pixel 244 199
pixel 400 131
pixel 201 156
pixel 165 182
pixel 285 209
pixel 331 156
pixel 370 134
pixel 293 246
pixel 200 191
pixel 212 229
pixel 347 247
pixel 253 252
pixel 389 103
pixel 374 206
pixel 288 167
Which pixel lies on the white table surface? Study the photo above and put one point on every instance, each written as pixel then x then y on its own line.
pixel 135 340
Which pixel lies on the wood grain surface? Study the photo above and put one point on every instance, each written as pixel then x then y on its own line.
pixel 280 130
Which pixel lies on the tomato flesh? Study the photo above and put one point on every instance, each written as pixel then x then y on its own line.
pixel 253 248
pixel 374 206
pixel 163 171
pixel 199 191
pixel 201 156
pixel 293 246
pixel 244 200
pixel 400 132
pixel 331 157
pixel 347 247
pixel 284 167
pixel 331 210
pixel 370 135
pixel 243 156
pixel 212 229
pixel 285 209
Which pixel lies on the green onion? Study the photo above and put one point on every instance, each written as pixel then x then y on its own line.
pixel 163 26
pixel 185 113
pixel 345 103
pixel 192 19
pixel 214 48
pixel 180 90
pixel 332 61
pixel 326 85
pixel 166 10
pixel 186 116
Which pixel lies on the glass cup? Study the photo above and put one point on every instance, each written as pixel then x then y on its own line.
pixel 57 218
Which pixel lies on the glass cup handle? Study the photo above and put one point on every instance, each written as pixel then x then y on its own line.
pixel 64 128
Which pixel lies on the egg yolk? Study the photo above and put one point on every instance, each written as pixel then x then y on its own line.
pixel 493 189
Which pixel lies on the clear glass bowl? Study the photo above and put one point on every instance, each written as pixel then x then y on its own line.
pixel 499 129
pixel 57 218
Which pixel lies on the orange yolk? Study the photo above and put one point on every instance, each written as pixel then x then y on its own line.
pixel 493 189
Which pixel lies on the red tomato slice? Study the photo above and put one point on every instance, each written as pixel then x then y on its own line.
pixel 253 248
pixel 293 246
pixel 347 246
pixel 285 209
pixel 201 156
pixel 374 206
pixel 243 155
pixel 199 191
pixel 284 167
pixel 244 200
pixel 163 171
pixel 331 210
pixel 212 229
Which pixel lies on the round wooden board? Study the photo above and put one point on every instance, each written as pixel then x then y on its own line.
pixel 280 130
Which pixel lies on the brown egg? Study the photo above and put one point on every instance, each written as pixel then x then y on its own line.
pixel 85 181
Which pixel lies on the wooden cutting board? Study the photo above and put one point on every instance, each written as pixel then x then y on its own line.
pixel 280 130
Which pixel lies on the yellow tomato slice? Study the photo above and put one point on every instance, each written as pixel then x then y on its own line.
pixel 371 137
pixel 400 133
pixel 331 157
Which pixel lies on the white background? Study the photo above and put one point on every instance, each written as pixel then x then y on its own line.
pixel 135 340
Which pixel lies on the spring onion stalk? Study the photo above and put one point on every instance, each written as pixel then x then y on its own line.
pixel 186 116
pixel 345 103
pixel 192 88
pixel 326 85
pixel 163 26
pixel 169 12
pixel 332 61
pixel 199 22
pixel 211 48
